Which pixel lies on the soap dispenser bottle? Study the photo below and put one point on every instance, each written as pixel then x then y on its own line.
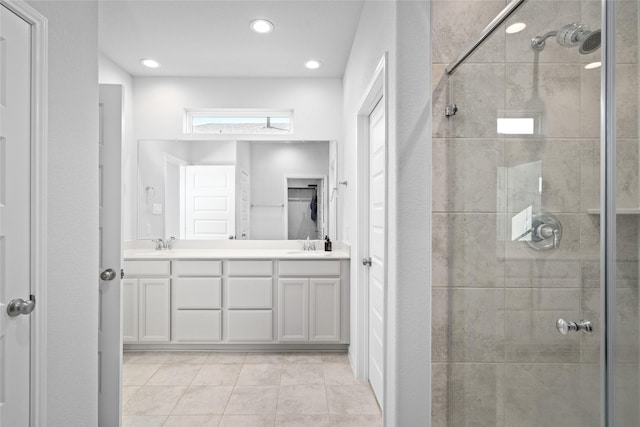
pixel 327 244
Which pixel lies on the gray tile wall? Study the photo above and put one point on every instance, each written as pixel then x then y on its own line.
pixel 497 358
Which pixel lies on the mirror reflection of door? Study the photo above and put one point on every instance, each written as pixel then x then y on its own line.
pixel 210 202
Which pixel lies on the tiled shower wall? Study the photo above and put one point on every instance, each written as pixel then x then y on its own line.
pixel 497 358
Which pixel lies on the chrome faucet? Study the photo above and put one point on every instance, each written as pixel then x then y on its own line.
pixel 160 245
pixel 169 243
pixel 164 244
pixel 309 245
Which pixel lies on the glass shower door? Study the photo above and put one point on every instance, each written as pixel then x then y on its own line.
pixel 517 308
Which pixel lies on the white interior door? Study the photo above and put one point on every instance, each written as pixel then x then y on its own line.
pixel 210 199
pixel 245 205
pixel 110 199
pixel 15 215
pixel 377 248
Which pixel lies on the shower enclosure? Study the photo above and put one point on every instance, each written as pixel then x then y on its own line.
pixel 536 213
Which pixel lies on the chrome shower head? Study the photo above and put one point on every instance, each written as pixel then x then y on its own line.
pixel 571 35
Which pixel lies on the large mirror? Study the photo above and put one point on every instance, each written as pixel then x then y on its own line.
pixel 236 190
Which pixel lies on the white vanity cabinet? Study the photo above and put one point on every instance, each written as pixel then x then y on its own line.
pixel 309 307
pixel 197 301
pixel 249 301
pixel 260 303
pixel 146 302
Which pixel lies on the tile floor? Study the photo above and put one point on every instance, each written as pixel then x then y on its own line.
pixel 184 389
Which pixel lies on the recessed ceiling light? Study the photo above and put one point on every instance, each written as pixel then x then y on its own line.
pixel 261 26
pixel 516 28
pixel 593 65
pixel 313 64
pixel 148 62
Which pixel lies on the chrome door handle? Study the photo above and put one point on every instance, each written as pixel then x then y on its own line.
pixel 366 261
pixel 565 327
pixel 108 274
pixel 19 306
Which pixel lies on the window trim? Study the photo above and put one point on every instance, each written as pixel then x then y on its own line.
pixel 191 113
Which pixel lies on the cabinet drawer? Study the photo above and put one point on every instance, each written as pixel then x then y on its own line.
pixel 146 268
pixel 197 268
pixel 200 292
pixel 249 292
pixel 309 268
pixel 198 326
pixel 249 325
pixel 250 268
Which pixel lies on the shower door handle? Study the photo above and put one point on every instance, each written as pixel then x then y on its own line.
pixel 564 326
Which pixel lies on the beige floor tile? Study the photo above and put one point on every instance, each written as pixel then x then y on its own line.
pixel 143 421
pixel 247 421
pixel 128 391
pixel 174 375
pixel 264 358
pixel 153 400
pixel 260 375
pixel 302 399
pixel 147 357
pixel 356 399
pixel 335 358
pixel 252 401
pixel 287 420
pixel 203 400
pixel 302 374
pixel 356 421
pixel 338 373
pixel 133 374
pixel 187 357
pixel 217 375
pixel 193 421
pixel 302 358
pixel 221 357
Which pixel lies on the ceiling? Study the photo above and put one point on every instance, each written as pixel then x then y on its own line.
pixel 213 38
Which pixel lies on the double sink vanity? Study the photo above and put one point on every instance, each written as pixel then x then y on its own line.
pixel 235 295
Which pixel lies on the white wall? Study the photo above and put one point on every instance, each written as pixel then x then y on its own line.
pixel 270 163
pixel 402 29
pixel 375 36
pixel 411 301
pixel 72 286
pixel 160 103
pixel 110 73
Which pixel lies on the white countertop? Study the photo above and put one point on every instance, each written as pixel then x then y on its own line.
pixel 227 253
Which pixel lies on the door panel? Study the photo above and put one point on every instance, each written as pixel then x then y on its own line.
pixel 210 202
pixel 110 199
pixel 15 212
pixel 377 248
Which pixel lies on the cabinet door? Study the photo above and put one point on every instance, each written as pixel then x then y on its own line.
pixel 293 310
pixel 197 326
pixel 324 310
pixel 154 310
pixel 129 310
pixel 249 326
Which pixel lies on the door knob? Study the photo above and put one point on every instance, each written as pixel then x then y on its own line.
pixel 19 306
pixel 108 274
pixel 565 327
pixel 366 261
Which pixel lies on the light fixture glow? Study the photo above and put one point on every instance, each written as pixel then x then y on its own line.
pixel 593 65
pixel 515 126
pixel 516 28
pixel 313 64
pixel 148 62
pixel 261 26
